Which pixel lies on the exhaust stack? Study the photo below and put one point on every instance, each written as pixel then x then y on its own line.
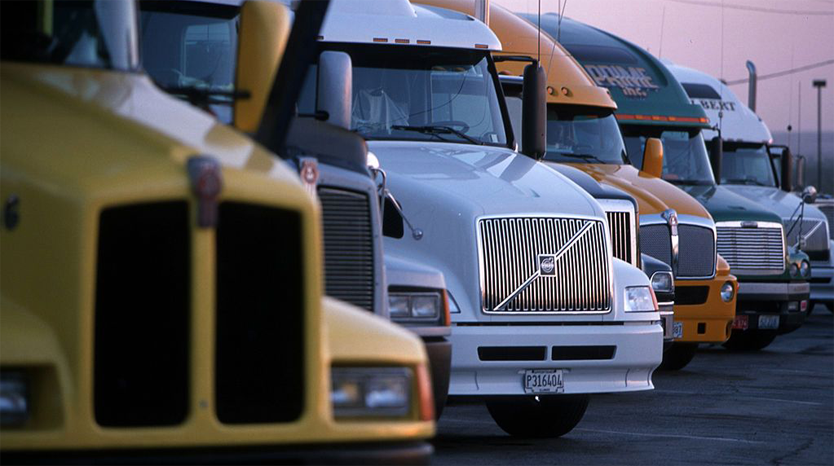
pixel 751 86
pixel 482 11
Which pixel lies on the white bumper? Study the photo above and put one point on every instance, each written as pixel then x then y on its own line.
pixel 639 350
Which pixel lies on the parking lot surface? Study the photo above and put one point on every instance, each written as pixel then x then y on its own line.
pixel 770 407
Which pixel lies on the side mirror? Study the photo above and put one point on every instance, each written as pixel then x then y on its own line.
pixel 264 29
pixel 786 169
pixel 809 194
pixel 534 112
pixel 716 155
pixel 335 88
pixel 653 157
pixel 800 171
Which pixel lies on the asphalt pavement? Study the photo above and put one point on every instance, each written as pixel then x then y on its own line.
pixel 774 407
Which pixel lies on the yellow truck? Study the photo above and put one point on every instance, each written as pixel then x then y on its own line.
pixel 582 133
pixel 161 294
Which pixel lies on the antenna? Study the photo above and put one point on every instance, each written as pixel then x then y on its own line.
pixel 539 41
pixel 662 24
pixel 558 23
pixel 799 121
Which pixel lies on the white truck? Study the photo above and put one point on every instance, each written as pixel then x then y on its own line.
pixel 748 167
pixel 542 314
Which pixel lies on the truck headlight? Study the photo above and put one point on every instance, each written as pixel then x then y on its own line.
pixel 415 307
pixel 14 399
pixel 663 282
pixel 794 270
pixel 727 292
pixel 805 269
pixel 370 391
pixel 640 299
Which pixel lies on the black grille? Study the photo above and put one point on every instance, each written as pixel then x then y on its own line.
pixel 583 353
pixel 655 240
pixel 259 355
pixel 512 353
pixel 696 254
pixel 691 295
pixel 142 315
pixel 348 246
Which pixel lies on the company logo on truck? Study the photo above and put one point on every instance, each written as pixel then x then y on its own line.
pixel 712 104
pixel 633 81
pixel 547 264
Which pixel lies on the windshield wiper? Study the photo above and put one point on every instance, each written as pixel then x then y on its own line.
pixel 751 181
pixel 206 96
pixel 438 130
pixel 581 156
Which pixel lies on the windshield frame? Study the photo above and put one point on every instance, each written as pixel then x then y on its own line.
pixel 509 136
pixel 133 54
pixel 765 152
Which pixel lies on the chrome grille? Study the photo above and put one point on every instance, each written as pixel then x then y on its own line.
pixel 827 208
pixel 813 230
pixel 348 246
pixel 622 231
pixel 656 241
pixel 756 250
pixel 696 251
pixel 509 253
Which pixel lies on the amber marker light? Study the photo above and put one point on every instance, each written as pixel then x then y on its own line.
pixel 424 393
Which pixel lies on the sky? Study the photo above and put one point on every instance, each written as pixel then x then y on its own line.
pixel 701 34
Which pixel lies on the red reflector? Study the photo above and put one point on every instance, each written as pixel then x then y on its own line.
pixel 803 305
pixel 423 42
pixel 402 41
pixel 741 323
pixel 481 46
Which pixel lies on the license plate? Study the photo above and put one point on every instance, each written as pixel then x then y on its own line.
pixel 543 381
pixel 768 322
pixel 677 330
pixel 741 322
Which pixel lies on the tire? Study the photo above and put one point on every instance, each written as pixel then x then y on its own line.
pixel 551 416
pixel 678 356
pixel 750 340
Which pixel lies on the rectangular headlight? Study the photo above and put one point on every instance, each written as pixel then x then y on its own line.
pixel 415 306
pixel 640 299
pixel 14 399
pixel 370 391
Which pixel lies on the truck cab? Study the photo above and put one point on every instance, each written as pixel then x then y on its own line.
pixel 331 162
pixel 751 167
pixel 536 297
pixel 651 104
pixel 167 301
pixel 583 136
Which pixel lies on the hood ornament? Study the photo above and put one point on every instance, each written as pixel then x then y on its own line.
pixel 308 170
pixel 206 178
pixel 671 217
pixel 546 265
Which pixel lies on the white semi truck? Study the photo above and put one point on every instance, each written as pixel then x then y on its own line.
pixel 543 315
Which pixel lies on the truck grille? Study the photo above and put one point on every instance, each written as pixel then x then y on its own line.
pixel 696 251
pixel 656 241
pixel 813 230
pixel 580 280
pixel 259 352
pixel 827 208
pixel 142 315
pixel 621 225
pixel 757 250
pixel 348 246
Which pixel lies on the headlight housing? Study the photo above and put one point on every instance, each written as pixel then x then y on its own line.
pixel 383 392
pixel 417 307
pixel 794 270
pixel 805 269
pixel 663 282
pixel 14 399
pixel 640 299
pixel 727 292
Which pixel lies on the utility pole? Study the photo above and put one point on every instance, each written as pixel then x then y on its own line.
pixel 819 84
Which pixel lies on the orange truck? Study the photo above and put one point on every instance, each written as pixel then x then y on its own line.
pixel 582 133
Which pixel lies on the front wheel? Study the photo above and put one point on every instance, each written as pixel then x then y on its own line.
pixel 750 340
pixel 547 416
pixel 678 356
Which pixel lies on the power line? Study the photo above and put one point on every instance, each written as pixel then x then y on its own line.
pixel 785 72
pixel 757 8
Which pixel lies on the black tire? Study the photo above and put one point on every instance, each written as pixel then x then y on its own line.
pixel 548 417
pixel 750 340
pixel 678 356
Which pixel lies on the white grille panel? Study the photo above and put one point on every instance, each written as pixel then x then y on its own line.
pixel 510 247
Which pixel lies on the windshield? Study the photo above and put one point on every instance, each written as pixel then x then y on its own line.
pixel 192 46
pixel 91 34
pixel 583 135
pixel 685 159
pixel 420 93
pixel 746 164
